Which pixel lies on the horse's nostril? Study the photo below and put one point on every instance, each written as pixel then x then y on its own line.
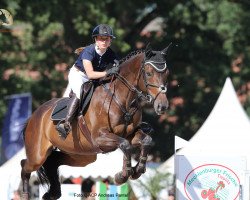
pixel 164 108
pixel 161 107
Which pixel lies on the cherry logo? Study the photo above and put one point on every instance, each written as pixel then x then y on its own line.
pixel 211 194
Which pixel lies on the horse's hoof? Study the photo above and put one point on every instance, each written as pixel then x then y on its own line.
pixel 138 171
pixel 130 172
pixel 25 196
pixel 135 176
pixel 22 162
pixel 141 170
pixel 48 196
pixel 120 179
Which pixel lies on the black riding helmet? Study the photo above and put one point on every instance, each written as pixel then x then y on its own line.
pixel 103 30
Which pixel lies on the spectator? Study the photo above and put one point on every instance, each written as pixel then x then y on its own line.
pixel 16 195
pixel 87 188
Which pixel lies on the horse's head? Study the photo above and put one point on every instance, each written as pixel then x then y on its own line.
pixel 154 78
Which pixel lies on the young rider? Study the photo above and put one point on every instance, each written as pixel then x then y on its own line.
pixel 91 64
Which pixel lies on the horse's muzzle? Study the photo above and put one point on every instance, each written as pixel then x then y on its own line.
pixel 160 103
pixel 161 108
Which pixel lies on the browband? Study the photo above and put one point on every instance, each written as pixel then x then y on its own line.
pixel 157 68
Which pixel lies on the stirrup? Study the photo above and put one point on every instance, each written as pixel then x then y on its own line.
pixel 62 129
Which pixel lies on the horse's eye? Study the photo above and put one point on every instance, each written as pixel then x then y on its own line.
pixel 149 73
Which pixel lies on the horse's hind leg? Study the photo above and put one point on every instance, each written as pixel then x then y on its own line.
pixel 27 168
pixel 25 179
pixel 48 174
pixel 49 171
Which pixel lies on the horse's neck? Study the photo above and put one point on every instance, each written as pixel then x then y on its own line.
pixel 130 71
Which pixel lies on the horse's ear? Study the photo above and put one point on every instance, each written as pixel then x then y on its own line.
pixel 148 50
pixel 164 51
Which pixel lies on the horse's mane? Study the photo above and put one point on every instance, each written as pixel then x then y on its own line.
pixel 131 54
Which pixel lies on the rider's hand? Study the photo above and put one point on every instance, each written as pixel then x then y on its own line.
pixel 112 71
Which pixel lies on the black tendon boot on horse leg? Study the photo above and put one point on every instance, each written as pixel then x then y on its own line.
pixel 145 142
pixel 64 127
pixel 127 171
pixel 140 168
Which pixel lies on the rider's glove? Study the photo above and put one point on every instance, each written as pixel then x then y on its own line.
pixel 113 68
pixel 112 71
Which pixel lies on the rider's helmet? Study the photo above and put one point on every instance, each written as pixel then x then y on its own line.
pixel 103 30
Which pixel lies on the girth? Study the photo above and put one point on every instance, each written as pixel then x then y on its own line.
pixel 81 123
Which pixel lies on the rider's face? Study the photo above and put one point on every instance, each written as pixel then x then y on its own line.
pixel 103 42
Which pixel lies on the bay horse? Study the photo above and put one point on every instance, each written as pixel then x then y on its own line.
pixel 113 120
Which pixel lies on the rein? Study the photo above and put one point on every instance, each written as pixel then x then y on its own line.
pixel 133 88
pixel 127 114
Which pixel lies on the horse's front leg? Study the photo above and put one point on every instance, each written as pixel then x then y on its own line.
pixel 127 171
pixel 108 142
pixel 143 140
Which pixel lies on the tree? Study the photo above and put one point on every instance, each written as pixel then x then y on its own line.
pixel 211 42
pixel 154 183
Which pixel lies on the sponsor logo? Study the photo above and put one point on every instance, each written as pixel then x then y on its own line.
pixel 212 182
pixel 6 18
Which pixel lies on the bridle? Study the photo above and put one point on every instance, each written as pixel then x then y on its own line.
pixel 139 94
pixel 161 88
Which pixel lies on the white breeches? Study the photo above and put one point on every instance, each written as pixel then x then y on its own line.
pixel 76 79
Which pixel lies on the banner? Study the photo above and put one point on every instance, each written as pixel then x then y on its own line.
pixel 102 191
pixel 18 111
pixel 210 177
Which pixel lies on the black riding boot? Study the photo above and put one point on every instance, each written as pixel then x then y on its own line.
pixel 64 126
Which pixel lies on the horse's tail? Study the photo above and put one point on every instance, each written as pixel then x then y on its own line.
pixel 48 173
pixel 42 176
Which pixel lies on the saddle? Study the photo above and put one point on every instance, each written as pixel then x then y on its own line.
pixel 61 109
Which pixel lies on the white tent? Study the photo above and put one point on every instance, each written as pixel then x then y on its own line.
pixel 226 131
pixel 169 164
pixel 10 175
